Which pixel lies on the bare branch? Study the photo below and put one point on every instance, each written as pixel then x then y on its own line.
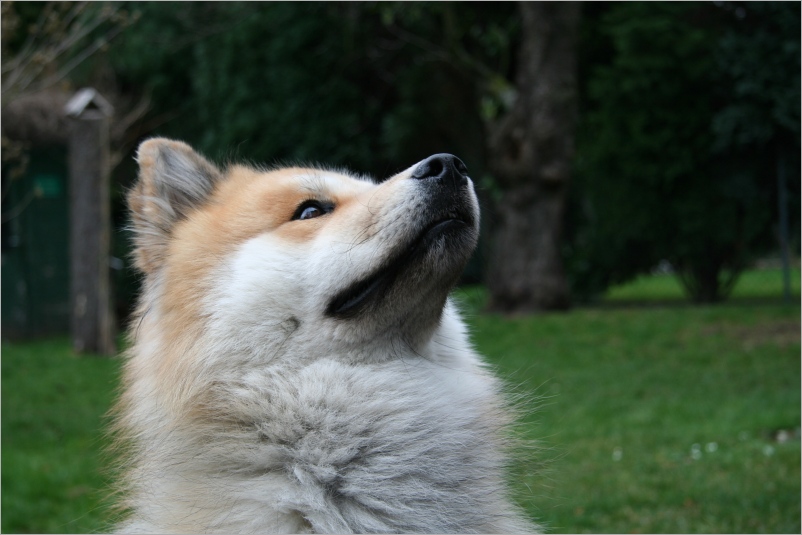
pixel 35 67
pixel 78 59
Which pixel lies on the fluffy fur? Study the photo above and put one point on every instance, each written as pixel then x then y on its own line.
pixel 306 375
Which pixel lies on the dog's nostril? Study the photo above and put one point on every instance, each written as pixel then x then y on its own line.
pixel 444 167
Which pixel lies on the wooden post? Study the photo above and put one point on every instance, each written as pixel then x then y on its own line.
pixel 782 201
pixel 92 323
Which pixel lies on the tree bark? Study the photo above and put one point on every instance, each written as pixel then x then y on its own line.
pixel 92 317
pixel 531 148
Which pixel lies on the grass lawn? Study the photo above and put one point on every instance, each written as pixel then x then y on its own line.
pixel 761 285
pixel 662 419
pixel 52 439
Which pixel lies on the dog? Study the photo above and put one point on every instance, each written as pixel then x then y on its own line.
pixel 296 364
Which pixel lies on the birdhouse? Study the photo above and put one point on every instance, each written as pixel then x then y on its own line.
pixel 87 103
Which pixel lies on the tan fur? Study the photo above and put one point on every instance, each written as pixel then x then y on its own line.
pixel 246 203
pixel 247 404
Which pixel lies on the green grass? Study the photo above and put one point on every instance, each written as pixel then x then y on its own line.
pixel 763 284
pixel 656 419
pixel 52 425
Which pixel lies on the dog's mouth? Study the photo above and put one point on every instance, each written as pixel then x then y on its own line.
pixel 354 298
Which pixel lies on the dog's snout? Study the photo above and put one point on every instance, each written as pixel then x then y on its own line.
pixel 443 167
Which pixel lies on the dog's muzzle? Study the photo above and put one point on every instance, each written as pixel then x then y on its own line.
pixel 445 168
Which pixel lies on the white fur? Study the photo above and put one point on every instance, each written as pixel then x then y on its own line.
pixel 287 420
pixel 407 445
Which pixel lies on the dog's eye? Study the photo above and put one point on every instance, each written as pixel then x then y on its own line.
pixel 311 209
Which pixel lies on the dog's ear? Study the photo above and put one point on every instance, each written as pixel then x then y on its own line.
pixel 173 181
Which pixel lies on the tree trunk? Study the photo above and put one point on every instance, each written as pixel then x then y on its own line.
pixel 531 148
pixel 92 318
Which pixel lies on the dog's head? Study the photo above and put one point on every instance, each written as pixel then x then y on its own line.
pixel 248 253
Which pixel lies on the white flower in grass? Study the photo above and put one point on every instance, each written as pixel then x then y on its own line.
pixel 696 452
pixel 711 447
pixel 618 453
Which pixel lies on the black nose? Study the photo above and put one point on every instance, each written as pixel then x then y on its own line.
pixel 444 167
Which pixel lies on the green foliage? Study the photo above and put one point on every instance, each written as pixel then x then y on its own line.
pixel 756 56
pixel 291 96
pixel 369 86
pixel 678 146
